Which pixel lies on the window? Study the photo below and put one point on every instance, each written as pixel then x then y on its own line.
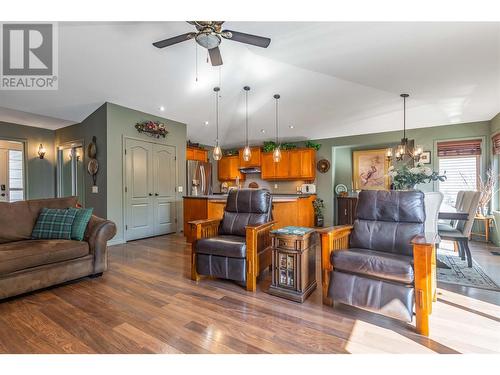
pixel 16 178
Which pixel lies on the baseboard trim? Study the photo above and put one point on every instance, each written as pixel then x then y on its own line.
pixel 117 241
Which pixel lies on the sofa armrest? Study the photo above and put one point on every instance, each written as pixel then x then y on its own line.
pixel 332 238
pixel 99 231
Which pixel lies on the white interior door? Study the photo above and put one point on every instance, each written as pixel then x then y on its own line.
pixel 164 172
pixel 139 190
pixel 4 175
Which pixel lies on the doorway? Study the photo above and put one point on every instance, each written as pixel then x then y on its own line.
pixel 70 171
pixel 12 175
pixel 150 189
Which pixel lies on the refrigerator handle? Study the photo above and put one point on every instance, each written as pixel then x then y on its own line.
pixel 202 175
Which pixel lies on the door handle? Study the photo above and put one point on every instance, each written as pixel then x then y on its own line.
pixel 3 194
pixel 156 194
pixel 150 194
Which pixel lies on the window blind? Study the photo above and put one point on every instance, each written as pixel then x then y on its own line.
pixel 470 147
pixel 461 174
pixel 495 140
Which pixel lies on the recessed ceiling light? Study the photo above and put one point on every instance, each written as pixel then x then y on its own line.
pixel 262 130
pixel 162 108
pixel 291 126
pixel 206 122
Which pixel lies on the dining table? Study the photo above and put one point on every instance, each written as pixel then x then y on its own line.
pixel 448 212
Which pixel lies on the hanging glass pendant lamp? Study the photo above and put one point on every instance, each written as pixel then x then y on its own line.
pixel 277 150
pixel 217 152
pixel 247 153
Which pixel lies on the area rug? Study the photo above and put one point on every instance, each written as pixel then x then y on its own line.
pixel 460 274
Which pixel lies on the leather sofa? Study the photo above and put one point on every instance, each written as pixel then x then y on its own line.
pixel 385 263
pixel 238 247
pixel 27 265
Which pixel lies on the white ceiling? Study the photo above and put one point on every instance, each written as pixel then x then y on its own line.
pixel 335 79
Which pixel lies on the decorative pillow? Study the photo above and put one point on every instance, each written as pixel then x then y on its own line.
pixel 82 218
pixel 54 223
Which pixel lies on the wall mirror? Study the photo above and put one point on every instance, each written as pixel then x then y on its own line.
pixel 70 171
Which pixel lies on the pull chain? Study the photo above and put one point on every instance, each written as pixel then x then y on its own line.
pixel 196 44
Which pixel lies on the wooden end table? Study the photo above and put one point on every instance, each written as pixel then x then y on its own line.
pixel 486 221
pixel 293 263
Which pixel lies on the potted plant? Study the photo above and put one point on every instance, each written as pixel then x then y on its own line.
pixel 319 206
pixel 487 190
pixel 405 178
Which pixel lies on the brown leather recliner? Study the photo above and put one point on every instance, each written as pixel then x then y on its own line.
pixel 27 265
pixel 238 247
pixel 385 263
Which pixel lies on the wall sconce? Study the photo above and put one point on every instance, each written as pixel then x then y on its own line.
pixel 41 151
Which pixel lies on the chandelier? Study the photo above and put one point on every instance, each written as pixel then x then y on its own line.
pixel 405 149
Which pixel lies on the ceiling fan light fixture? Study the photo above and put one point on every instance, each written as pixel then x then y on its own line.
pixel 208 40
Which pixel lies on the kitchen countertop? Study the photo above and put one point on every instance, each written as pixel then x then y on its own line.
pixel 276 197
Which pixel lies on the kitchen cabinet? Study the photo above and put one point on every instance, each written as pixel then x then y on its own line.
pixel 346 210
pixel 254 158
pixel 295 164
pixel 229 168
pixel 193 153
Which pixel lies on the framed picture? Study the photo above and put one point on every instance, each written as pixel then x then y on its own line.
pixel 425 158
pixel 370 170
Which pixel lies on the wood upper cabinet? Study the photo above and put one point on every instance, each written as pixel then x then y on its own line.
pixel 283 166
pixel 254 158
pixel 295 164
pixel 193 153
pixel 307 164
pixel 268 167
pixel 228 168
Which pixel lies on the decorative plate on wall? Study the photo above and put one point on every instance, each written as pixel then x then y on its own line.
pixel 323 166
pixel 340 189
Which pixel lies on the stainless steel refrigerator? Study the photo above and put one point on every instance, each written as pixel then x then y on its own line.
pixel 199 177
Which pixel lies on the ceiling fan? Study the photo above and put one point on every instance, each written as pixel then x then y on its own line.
pixel 209 34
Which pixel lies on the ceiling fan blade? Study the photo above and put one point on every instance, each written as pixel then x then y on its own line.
pixel 254 40
pixel 176 39
pixel 215 56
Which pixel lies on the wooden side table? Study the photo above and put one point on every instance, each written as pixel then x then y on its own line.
pixel 293 263
pixel 486 223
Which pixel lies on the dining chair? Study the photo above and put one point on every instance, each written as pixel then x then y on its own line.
pixel 433 202
pixel 451 224
pixel 461 233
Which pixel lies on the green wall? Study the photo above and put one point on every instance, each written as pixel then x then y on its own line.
pixel 93 125
pixel 339 152
pixel 40 173
pixel 120 124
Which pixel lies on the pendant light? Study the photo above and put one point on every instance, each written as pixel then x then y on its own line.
pixel 217 152
pixel 247 153
pixel 404 150
pixel 277 150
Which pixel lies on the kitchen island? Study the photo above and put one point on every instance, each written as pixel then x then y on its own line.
pixel 288 209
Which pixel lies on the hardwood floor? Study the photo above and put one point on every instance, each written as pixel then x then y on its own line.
pixel 146 303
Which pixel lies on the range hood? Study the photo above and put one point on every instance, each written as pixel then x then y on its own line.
pixel 250 170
